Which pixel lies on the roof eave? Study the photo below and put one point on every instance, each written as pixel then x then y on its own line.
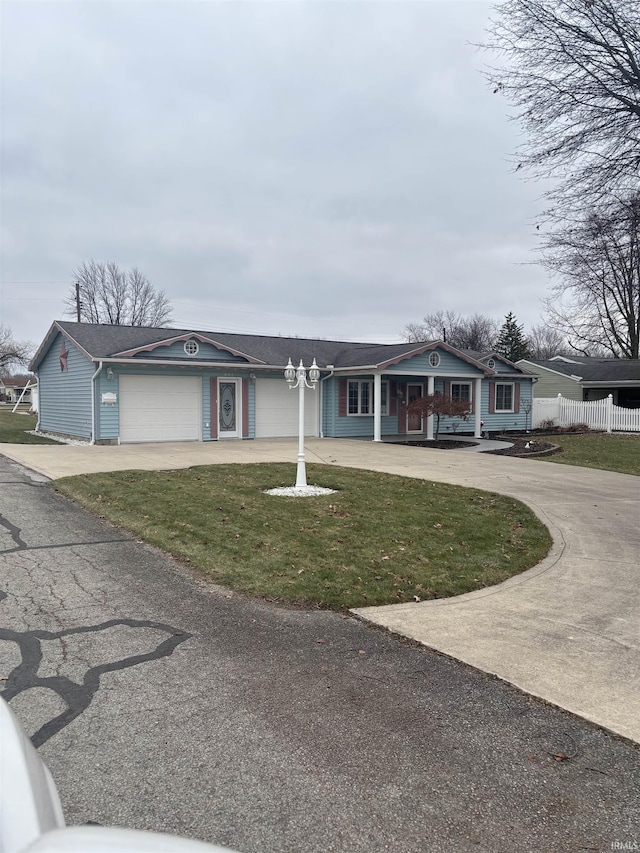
pixel 604 383
pixel 172 362
pixel 48 340
pixel 165 342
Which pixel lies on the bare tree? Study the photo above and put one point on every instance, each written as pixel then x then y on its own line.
pixel 13 353
pixel 595 301
pixel 117 297
pixel 475 332
pixel 572 71
pixel 545 341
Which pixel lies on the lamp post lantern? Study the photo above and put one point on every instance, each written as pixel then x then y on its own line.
pixel 297 378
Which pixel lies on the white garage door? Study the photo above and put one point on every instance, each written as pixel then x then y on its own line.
pixel 160 408
pixel 277 409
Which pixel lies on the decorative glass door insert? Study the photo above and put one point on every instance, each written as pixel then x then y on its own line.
pixel 228 408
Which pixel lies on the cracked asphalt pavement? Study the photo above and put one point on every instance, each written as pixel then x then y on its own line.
pixel 161 702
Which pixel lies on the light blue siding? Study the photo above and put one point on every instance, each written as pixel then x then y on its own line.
pixel 206 407
pixel 449 426
pixel 206 352
pixel 450 365
pixel 252 409
pixel 107 421
pixel 109 415
pixel 350 426
pixel 65 396
pixel 355 426
pixel 506 420
pixel 501 368
pixel 329 406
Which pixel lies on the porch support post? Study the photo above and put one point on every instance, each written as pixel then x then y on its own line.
pixel 431 385
pixel 377 407
pixel 477 405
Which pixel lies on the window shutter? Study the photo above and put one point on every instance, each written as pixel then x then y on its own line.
pixel 447 389
pixel 245 408
pixel 516 397
pixel 492 398
pixel 342 398
pixel 393 398
pixel 213 414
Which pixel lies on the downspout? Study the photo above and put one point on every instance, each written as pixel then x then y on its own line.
pixel 331 369
pixel 39 406
pixel 93 403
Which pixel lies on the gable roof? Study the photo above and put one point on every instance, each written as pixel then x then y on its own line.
pixel 105 342
pixel 588 370
pixel 17 381
pixel 483 357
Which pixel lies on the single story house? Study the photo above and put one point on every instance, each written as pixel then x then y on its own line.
pixel 113 384
pixel 12 388
pixel 583 378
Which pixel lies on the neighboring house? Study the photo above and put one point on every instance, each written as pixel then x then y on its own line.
pixel 130 384
pixel 582 378
pixel 11 387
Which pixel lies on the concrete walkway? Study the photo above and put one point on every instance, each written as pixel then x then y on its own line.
pixel 567 630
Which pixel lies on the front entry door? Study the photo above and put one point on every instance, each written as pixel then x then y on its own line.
pixel 229 416
pixel 414 421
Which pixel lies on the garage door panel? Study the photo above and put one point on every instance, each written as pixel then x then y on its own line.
pixel 277 410
pixel 160 408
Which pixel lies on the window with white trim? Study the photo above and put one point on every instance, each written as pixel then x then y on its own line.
pixel 434 359
pixel 504 397
pixel 461 392
pixel 191 347
pixel 491 363
pixel 360 397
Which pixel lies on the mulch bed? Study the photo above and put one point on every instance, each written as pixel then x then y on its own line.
pixel 438 445
pixel 519 446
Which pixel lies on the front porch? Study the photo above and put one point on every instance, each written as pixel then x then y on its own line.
pixel 402 391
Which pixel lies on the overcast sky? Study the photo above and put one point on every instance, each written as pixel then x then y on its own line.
pixel 322 169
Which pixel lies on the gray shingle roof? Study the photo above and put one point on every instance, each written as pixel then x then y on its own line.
pixel 596 369
pixel 105 341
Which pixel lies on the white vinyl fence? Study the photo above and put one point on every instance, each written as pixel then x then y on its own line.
pixel 598 414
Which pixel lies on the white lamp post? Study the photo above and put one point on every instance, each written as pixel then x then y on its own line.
pixel 297 378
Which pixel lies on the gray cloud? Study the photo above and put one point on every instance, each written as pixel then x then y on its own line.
pixel 317 168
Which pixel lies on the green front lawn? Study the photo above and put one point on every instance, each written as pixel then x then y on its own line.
pixel 379 539
pixel 614 452
pixel 13 428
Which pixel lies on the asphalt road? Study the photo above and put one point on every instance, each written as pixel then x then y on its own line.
pixel 159 702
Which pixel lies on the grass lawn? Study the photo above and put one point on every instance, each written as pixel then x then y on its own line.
pixel 379 539
pixel 598 450
pixel 13 428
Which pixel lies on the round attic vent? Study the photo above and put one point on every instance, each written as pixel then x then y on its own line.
pixel 191 347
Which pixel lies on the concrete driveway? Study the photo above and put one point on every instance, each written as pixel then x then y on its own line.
pixel 567 630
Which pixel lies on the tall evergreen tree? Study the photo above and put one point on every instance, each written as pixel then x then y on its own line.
pixel 511 341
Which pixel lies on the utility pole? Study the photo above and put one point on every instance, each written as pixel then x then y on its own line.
pixel 78 303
